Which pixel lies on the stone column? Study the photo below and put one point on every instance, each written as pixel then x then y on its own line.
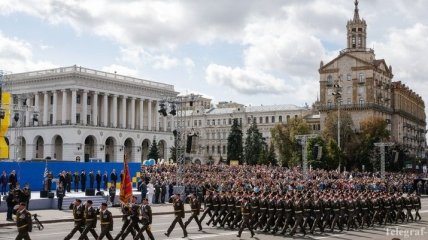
pixel 64 107
pixel 73 105
pixel 105 110
pixel 54 107
pixel 123 115
pixel 114 111
pixel 141 114
pixel 157 116
pixel 45 108
pixel 95 108
pixel 149 114
pixel 84 107
pixel 27 113
pixel 36 102
pixel 164 123
pixel 133 113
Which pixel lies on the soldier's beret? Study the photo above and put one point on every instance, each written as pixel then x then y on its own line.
pixel 145 199
pixel 78 200
pixel 104 204
pixel 89 201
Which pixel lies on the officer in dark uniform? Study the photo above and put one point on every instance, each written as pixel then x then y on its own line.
pixel 195 207
pixel 90 221
pixel 106 220
pixel 246 213
pixel 327 212
pixel 307 212
pixel 23 222
pixel 208 205
pixel 79 221
pixel 134 219
pixel 146 220
pixel 351 203
pixel 364 206
pixel 179 214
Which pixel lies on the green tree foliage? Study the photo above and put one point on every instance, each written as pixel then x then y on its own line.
pixel 154 152
pixel 283 138
pixel 271 156
pixel 254 144
pixel 234 143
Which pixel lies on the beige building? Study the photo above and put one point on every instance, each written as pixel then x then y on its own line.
pixel 358 83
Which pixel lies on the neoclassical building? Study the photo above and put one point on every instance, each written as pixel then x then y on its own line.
pixel 360 84
pixel 76 113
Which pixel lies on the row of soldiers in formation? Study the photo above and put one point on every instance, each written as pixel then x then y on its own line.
pixel 85 220
pixel 285 213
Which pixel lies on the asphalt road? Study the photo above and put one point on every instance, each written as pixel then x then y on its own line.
pixel 412 230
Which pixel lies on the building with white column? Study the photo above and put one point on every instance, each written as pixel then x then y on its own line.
pixel 87 114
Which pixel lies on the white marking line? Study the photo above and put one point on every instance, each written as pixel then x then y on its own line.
pixel 204 236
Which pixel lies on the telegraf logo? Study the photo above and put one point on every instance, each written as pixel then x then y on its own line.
pixel 405 233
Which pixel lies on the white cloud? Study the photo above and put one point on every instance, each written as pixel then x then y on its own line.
pixel 16 55
pixel 164 62
pixel 245 81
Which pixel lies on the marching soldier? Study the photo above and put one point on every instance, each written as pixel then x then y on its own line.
pixel 179 214
pixel 79 221
pixel 23 222
pixel 298 215
pixel 238 216
pixel 263 212
pixel 409 208
pixel 134 217
pixel 288 213
pixel 146 220
pixel 271 213
pixel 245 211
pixel 216 207
pixel 195 207
pixel 223 209
pixel 208 205
pixel 416 201
pixel 106 220
pixel 365 217
pixel 90 221
pixel 230 211
pixel 317 208
pixel 336 213
pixel 126 219
pixel 255 209
pixel 279 214
pixel 351 213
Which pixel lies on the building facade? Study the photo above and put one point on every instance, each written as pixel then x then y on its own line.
pixel 76 113
pixel 358 83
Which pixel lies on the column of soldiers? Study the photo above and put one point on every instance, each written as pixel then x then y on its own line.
pixel 307 211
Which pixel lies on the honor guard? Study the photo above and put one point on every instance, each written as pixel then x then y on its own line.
pixel 23 222
pixel 195 207
pixel 90 221
pixel 106 222
pixel 146 220
pixel 179 214
pixel 79 220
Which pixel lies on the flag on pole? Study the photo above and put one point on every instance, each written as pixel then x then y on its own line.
pixel 45 174
pixel 126 184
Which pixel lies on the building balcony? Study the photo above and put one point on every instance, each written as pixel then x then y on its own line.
pixel 354 107
pixel 347 50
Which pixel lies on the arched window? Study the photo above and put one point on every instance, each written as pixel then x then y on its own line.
pixel 361 101
pixel 329 80
pixel 280 118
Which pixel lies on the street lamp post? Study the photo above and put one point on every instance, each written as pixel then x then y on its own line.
pixel 304 138
pixel 382 146
pixel 338 95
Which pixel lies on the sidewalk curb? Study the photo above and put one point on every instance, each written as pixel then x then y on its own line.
pixel 71 220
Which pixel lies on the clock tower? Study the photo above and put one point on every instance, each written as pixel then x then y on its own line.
pixel 357 34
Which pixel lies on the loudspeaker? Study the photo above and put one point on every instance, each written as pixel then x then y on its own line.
pixel 90 192
pixel 100 193
pixel 51 195
pixel 43 194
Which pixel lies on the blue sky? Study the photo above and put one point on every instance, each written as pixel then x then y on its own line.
pixel 247 51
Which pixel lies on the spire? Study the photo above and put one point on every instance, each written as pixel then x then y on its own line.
pixel 356 14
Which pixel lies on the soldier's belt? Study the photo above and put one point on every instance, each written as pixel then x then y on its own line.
pixel 279 209
pixel 23 226
pixel 263 208
pixel 77 219
pixel 408 205
pixel 308 210
pixel 317 210
pixel 104 223
pixel 194 209
pixel 364 208
pixel 288 210
pixel 298 211
pixel 215 205
pixel 327 208
pixel 90 220
pixel 245 214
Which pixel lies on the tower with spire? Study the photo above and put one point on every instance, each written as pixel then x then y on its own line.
pixel 356 31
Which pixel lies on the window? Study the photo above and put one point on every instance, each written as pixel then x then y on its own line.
pixel 78 117
pixel 89 100
pixel 288 118
pixel 213 135
pixel 361 90
pixel 280 119
pixel 249 120
pixel 195 122
pixel 295 116
pixel 361 77
pixel 349 77
pixel 230 121
pixel 200 122
pixel 51 119
pixel 213 122
pixel 273 119
pixel 353 41
pixel 78 99
pixel 208 136
pixel 329 104
pixel 208 122
pixel 218 135
pixel 240 121
pixel 218 121
pixel 260 119
pixel 361 101
pixel 224 121
pixel 51 100
pixel 88 118
pixel 208 149
pixel 348 101
pixel 224 149
pixel 349 89
pixel 212 149
pixel 218 149
pixel 329 80
pixel 224 135
pixel 267 119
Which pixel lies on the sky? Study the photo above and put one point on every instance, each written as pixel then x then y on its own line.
pixel 247 51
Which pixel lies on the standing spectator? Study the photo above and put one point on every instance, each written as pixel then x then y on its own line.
pixel 12 180
pixel 98 180
pixel 143 188
pixel 150 192
pixel 170 190
pixel 157 192
pixel 61 179
pixel 76 180
pixel 83 180
pixel 91 179
pixel 26 195
pixel 60 193
pixel 3 183
pixel 68 178
pixel 105 181
pixel 112 192
pixel 10 200
pixel 113 176
pixel 163 191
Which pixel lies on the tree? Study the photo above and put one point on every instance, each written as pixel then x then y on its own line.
pixel 271 156
pixel 283 138
pixel 154 152
pixel 234 143
pixel 253 144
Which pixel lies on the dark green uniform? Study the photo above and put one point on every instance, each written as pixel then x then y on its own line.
pixel 79 221
pixel 246 213
pixel 195 207
pixel 90 223
pixel 106 222
pixel 179 214
pixel 146 220
pixel 24 224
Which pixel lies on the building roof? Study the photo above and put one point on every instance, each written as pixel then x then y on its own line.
pixel 269 108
